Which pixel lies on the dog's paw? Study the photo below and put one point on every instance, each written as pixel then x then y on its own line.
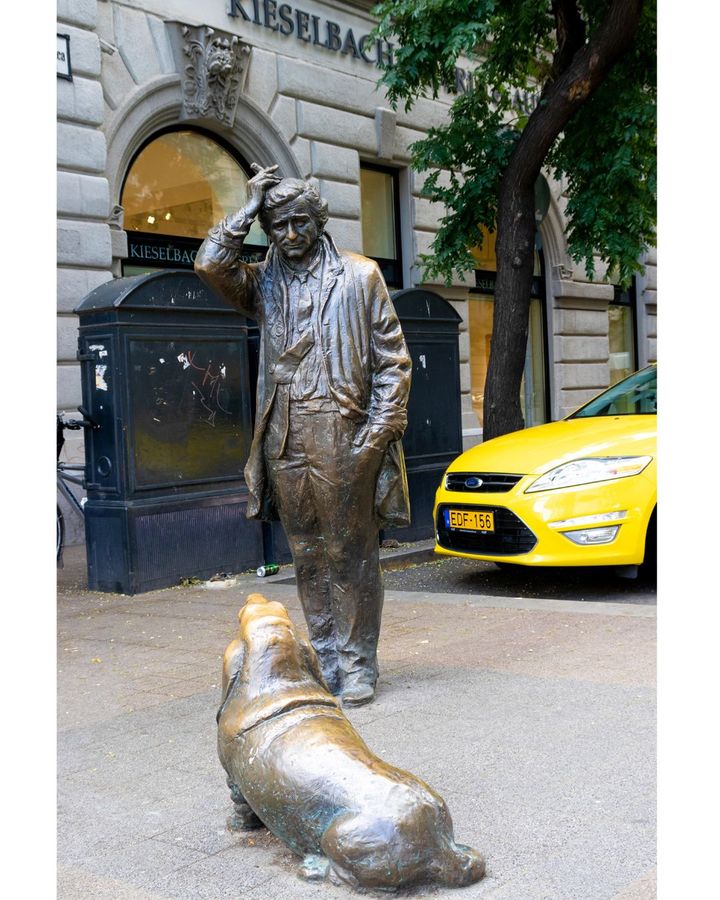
pixel 314 868
pixel 243 821
pixel 341 876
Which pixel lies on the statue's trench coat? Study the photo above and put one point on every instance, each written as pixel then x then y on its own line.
pixel 365 356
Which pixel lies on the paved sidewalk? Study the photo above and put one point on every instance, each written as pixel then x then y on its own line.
pixel 535 719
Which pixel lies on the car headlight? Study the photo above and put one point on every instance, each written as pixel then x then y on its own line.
pixel 587 471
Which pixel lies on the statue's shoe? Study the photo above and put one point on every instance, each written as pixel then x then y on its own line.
pixel 357 695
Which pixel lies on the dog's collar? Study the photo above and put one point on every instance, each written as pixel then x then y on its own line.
pixel 296 706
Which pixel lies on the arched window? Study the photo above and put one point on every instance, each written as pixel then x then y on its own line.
pixel 180 184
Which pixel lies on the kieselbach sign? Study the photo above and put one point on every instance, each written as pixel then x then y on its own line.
pixel 319 32
pixel 310 29
pixel 167 253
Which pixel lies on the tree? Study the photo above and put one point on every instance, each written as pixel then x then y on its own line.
pixel 592 66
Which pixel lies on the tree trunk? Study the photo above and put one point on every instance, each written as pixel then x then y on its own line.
pixel 584 71
pixel 515 257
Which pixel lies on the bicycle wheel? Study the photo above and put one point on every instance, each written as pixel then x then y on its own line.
pixel 60 532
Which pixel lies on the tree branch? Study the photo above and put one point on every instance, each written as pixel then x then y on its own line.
pixel 570 31
pixel 560 98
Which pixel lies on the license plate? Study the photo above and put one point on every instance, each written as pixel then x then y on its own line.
pixel 469 520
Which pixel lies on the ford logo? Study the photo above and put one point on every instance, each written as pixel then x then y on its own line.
pixel 473 482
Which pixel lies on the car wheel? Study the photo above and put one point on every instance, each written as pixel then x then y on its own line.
pixel 649 563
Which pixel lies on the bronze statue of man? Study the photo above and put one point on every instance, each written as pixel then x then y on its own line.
pixel 333 385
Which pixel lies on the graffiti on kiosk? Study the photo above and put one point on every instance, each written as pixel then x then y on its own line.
pixel 209 384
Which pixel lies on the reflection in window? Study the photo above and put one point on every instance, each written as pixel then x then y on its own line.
pixel 380 220
pixel 637 395
pixel 621 335
pixel 377 192
pixel 480 316
pixel 181 184
pixel 485 255
pixel 533 389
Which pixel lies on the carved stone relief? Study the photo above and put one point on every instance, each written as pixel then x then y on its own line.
pixel 213 67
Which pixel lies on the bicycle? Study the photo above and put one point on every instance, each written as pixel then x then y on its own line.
pixel 69 473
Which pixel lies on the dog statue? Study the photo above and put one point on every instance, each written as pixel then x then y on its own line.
pixel 296 765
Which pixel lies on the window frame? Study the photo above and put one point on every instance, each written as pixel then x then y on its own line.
pixel 627 297
pixel 392 269
pixel 485 287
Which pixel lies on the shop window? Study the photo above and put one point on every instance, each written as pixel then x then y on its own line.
pixel 180 184
pixel 534 388
pixel 380 203
pixel 533 396
pixel 622 333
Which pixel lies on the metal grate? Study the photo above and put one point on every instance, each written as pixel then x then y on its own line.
pixel 182 542
pixel 489 482
pixel 511 535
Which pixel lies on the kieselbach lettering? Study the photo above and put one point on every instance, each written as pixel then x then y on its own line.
pixel 175 255
pixel 169 254
pixel 311 29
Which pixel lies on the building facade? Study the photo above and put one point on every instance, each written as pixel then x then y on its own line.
pixel 164 104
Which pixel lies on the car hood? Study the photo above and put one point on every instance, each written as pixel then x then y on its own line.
pixel 533 451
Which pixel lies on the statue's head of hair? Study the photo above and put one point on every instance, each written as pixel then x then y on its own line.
pixel 287 191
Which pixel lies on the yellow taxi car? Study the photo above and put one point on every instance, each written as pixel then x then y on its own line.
pixel 578 492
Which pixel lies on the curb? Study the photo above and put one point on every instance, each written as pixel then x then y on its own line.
pixel 390 560
pixel 416 553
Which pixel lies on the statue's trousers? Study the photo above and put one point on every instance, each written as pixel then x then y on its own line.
pixel 324 488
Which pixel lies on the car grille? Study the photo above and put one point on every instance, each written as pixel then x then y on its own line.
pixel 492 482
pixel 511 535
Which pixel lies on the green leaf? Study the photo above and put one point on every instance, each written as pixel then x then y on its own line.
pixel 607 154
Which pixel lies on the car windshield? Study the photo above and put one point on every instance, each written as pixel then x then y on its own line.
pixel 633 396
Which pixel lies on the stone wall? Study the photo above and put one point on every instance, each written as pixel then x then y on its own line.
pixel 83 203
pixel 647 300
pixel 84 242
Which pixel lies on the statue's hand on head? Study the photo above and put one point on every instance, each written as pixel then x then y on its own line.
pixel 257 185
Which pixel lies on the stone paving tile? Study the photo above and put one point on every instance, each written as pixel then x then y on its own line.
pixel 263 852
pixel 113 762
pixel 220 876
pixel 530 642
pixel 150 774
pixel 644 888
pixel 164 679
pixel 175 689
pixel 145 639
pixel 207 833
pixel 141 863
pixel 94 819
pixel 74 882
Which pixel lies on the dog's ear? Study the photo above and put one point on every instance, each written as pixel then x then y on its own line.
pixel 311 662
pixel 232 663
pixel 232 666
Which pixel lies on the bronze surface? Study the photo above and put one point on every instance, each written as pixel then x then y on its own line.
pixel 295 764
pixel 332 392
